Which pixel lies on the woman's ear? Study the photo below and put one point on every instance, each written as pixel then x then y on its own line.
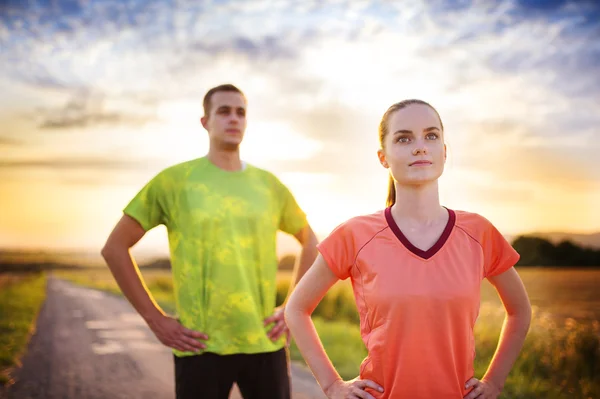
pixel 382 160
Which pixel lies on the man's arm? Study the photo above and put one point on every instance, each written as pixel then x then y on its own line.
pixel 307 238
pixel 116 253
pixel 308 254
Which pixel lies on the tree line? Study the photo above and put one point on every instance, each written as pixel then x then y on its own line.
pixel 536 251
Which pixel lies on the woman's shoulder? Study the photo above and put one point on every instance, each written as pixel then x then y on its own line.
pixel 362 225
pixel 473 223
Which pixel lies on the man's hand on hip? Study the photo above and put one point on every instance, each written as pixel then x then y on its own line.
pixel 174 335
pixel 279 326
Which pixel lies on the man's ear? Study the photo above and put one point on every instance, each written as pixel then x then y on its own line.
pixel 204 121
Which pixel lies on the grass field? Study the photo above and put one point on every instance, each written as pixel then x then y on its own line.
pixel 21 296
pixel 561 357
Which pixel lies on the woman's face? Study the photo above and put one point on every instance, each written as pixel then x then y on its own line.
pixel 414 148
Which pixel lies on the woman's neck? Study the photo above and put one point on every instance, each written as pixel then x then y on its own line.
pixel 418 205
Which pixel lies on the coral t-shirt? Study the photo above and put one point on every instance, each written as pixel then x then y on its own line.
pixel 417 308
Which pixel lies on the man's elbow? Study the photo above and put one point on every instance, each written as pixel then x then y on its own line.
pixel 310 239
pixel 110 249
pixel 106 251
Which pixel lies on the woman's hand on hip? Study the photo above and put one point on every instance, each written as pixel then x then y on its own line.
pixel 482 389
pixel 353 389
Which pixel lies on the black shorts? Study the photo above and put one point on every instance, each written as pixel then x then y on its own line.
pixel 211 376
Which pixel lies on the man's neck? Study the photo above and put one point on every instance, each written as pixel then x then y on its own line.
pixel 226 160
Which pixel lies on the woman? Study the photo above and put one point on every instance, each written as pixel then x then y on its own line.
pixel 416 268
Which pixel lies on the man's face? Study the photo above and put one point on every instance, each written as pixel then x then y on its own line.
pixel 226 122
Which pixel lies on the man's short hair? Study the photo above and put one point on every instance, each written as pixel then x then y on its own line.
pixel 208 96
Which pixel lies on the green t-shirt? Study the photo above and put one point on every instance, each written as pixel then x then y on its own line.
pixel 222 230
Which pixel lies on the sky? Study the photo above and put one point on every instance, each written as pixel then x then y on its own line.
pixel 96 97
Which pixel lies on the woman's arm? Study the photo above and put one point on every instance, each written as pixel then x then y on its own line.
pixel 303 301
pixel 514 330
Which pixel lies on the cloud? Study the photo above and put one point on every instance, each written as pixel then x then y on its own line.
pixel 504 72
pixel 10 142
pixel 268 47
pixel 515 82
pixel 86 109
pixel 487 192
pixel 40 79
pixel 185 36
pixel 71 163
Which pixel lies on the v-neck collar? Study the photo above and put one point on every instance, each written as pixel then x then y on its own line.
pixel 419 252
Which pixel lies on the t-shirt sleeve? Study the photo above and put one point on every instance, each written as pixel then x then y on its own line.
pixel 499 255
pixel 338 251
pixel 148 205
pixel 292 218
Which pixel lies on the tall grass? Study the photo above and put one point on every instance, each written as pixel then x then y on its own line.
pixel 560 358
pixel 159 283
pixel 21 296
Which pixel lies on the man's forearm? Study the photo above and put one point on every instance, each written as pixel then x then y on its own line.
pixel 129 279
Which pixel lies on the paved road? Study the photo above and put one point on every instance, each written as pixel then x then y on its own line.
pixel 90 344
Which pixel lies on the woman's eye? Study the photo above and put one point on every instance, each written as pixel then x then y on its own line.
pixel 432 136
pixel 403 139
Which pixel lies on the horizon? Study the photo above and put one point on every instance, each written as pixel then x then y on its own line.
pixel 98 97
pixel 286 246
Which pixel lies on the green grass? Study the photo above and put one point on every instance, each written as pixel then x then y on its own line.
pixel 560 358
pixel 21 296
pixel 158 282
pixel 343 345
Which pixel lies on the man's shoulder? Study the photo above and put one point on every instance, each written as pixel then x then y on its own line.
pixel 264 175
pixel 176 173
pixel 183 166
pixel 260 171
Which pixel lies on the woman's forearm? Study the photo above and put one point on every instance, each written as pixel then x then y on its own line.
pixel 512 338
pixel 303 330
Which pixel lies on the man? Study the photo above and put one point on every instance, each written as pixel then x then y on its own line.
pixel 222 216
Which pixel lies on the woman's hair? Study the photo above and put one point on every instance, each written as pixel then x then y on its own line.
pixel 383 131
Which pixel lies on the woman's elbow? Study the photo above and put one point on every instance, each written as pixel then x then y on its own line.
pixel 522 315
pixel 295 310
pixel 290 315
